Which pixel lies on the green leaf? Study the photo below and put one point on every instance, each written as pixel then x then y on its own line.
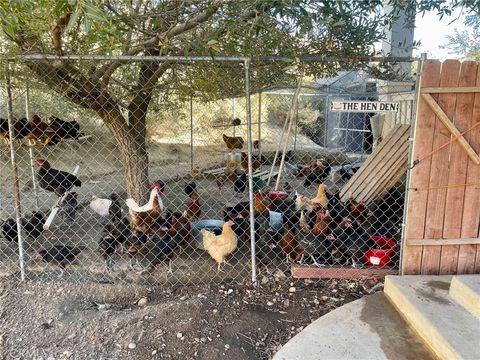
pixel 86 24
pixel 73 19
pixel 94 12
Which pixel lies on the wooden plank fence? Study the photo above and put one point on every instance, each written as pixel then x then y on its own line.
pixel 443 210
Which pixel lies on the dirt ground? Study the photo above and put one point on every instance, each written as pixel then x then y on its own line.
pixel 228 320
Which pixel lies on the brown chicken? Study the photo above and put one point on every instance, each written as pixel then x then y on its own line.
pixel 220 246
pixel 260 203
pixel 193 209
pixel 322 221
pixel 256 163
pixel 220 180
pixel 233 142
pixel 40 131
pixel 288 241
pixel 181 229
pixel 144 217
pixel 20 129
pixel 357 209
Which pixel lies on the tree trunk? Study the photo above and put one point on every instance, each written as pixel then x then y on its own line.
pixel 131 142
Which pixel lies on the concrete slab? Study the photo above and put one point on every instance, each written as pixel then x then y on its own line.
pixel 368 328
pixel 449 330
pixel 465 289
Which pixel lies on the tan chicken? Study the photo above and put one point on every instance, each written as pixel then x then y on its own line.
pixel 220 246
pixel 321 198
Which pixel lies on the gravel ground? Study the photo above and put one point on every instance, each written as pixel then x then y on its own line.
pixel 45 320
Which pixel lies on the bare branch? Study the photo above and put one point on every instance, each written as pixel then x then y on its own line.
pixel 57 33
pixel 107 70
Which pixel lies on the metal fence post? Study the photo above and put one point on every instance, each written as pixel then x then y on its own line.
pixel 191 134
pixel 410 156
pixel 30 147
pixel 250 170
pixel 16 187
pixel 259 125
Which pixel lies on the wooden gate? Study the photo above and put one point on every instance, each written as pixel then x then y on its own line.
pixel 443 214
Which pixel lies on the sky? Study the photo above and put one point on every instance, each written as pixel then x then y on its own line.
pixel 432 33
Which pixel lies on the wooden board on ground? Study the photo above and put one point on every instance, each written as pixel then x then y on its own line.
pixel 382 169
pixel 314 272
pixel 262 174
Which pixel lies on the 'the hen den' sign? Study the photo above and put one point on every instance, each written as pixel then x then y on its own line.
pixel 364 106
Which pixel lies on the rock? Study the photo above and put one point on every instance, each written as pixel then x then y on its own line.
pixel 132 346
pixel 269 303
pixel 279 274
pixel 229 291
pixel 67 353
pixel 264 280
pixel 227 347
pixel 154 352
pixel 286 303
pixel 292 289
pixel 179 335
pixel 142 301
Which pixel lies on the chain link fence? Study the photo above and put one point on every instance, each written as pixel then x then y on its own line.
pixel 170 182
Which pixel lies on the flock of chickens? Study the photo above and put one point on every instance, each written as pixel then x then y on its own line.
pixel 37 131
pixel 322 230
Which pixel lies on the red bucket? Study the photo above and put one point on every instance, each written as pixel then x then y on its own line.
pixel 382 256
pixel 378 257
pixel 274 195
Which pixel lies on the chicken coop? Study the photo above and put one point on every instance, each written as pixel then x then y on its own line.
pixel 214 169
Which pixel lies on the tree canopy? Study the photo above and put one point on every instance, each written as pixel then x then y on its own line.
pixel 466 42
pixel 121 92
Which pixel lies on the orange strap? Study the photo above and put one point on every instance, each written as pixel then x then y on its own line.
pixel 416 162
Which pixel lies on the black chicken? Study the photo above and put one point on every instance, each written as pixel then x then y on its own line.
pixel 240 183
pixel 69 206
pixel 350 243
pixel 317 177
pixel 9 230
pixel 190 188
pixel 61 255
pixel 313 246
pixel 115 209
pixel 114 236
pixel 32 225
pixel 164 249
pixel 54 180
pixel 64 129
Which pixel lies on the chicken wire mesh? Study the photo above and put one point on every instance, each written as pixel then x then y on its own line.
pixel 84 161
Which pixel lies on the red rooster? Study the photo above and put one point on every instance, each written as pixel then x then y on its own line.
pixel 144 217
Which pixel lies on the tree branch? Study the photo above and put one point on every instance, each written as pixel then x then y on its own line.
pixel 108 69
pixel 57 33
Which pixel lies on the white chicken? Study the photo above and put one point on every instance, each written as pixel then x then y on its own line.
pixel 134 207
pixel 100 206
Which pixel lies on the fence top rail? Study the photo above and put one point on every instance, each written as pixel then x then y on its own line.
pixel 305 59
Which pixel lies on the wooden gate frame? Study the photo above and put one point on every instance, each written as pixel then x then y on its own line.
pixel 441 254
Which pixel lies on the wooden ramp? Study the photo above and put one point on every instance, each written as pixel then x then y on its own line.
pixel 382 169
